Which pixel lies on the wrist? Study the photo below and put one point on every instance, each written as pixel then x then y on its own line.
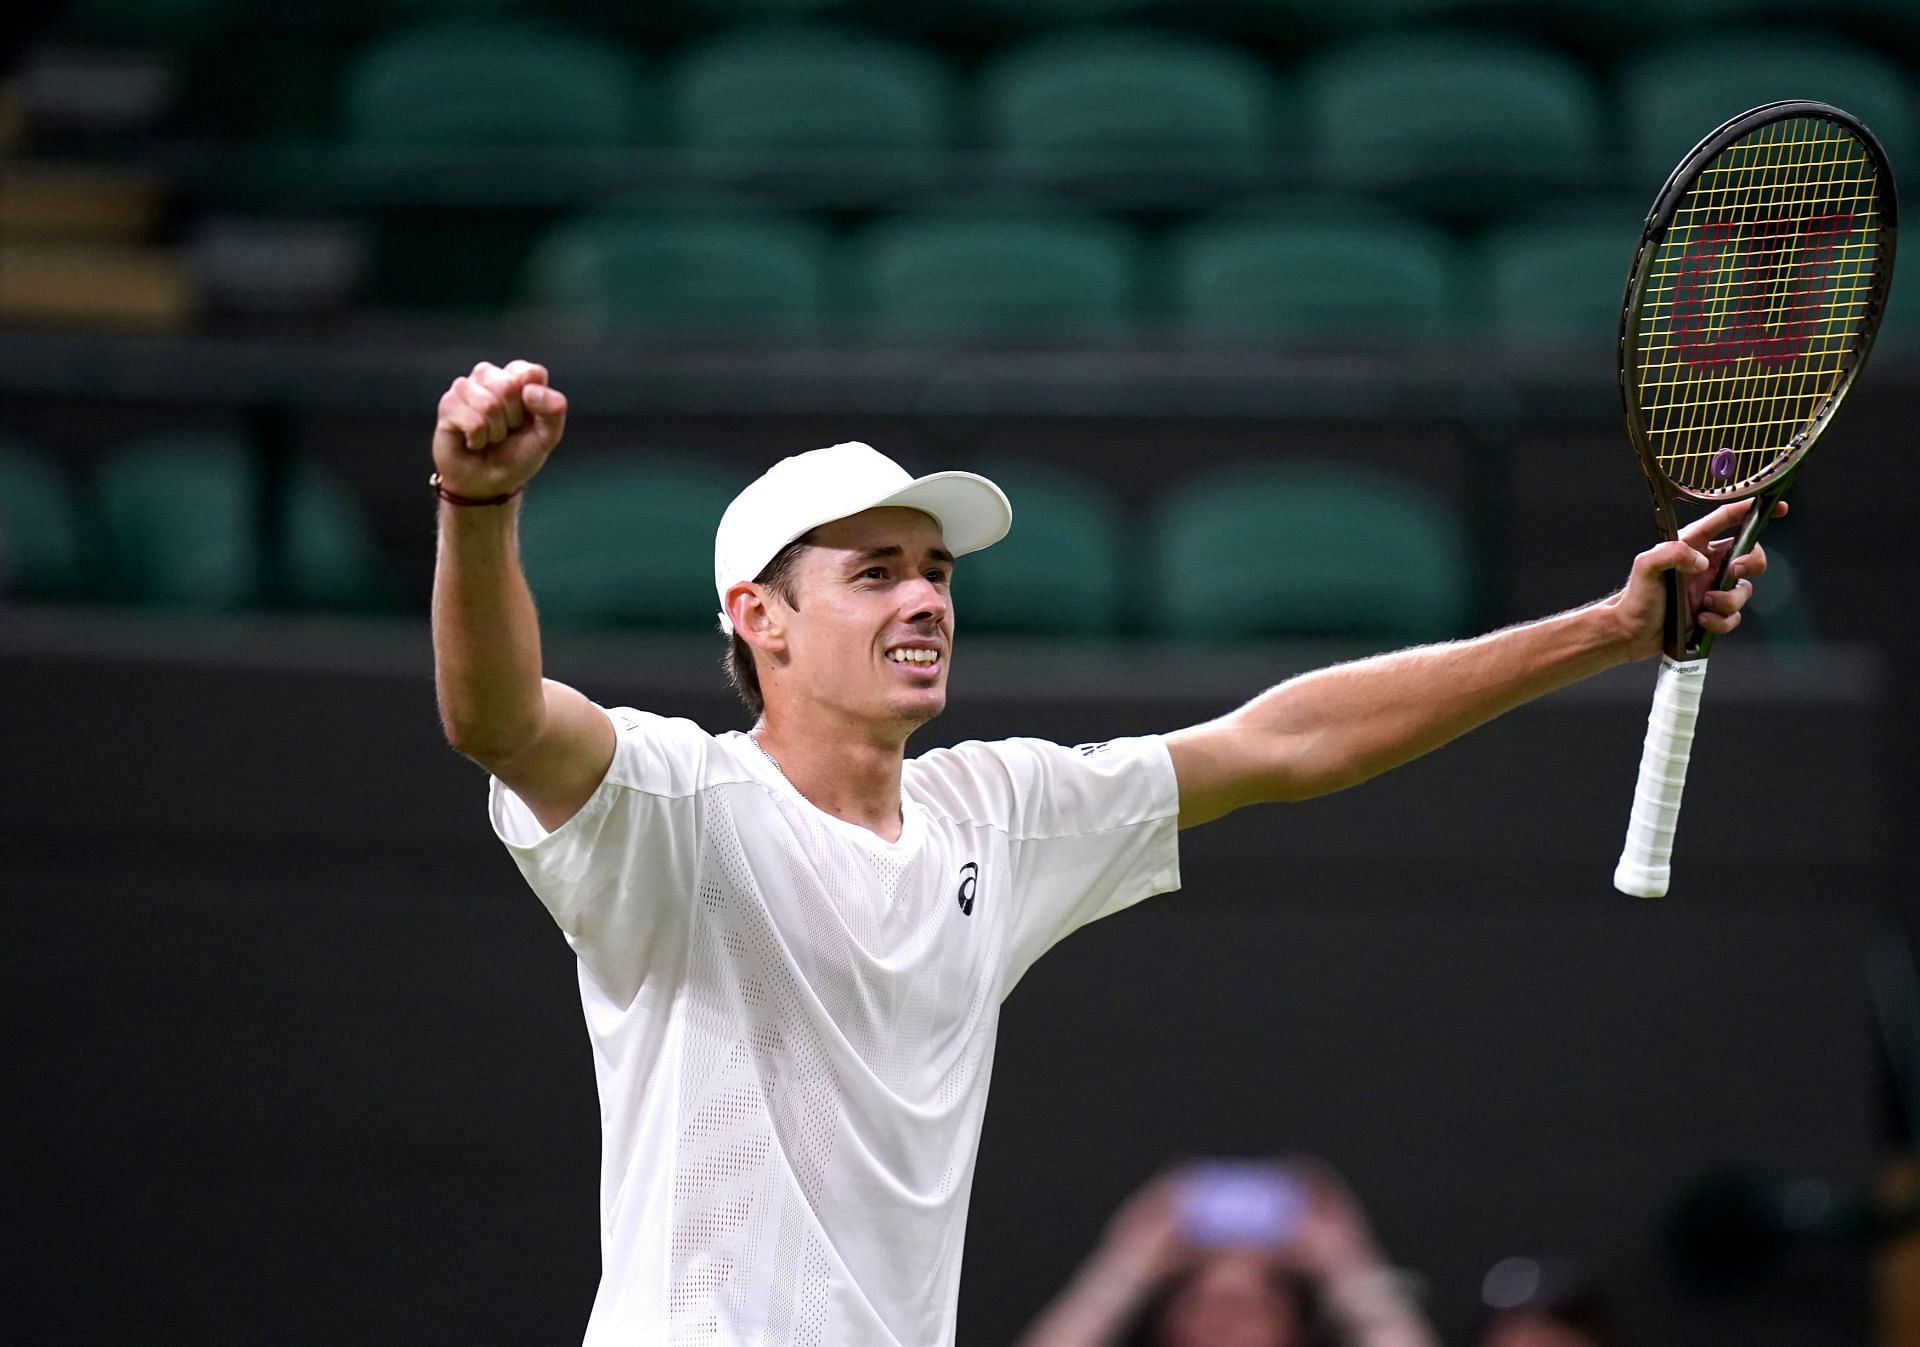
pixel 470 500
pixel 1610 631
pixel 487 536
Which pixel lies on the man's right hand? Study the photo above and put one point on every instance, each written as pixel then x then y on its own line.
pixel 496 428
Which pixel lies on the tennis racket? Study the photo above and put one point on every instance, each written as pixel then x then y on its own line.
pixel 1752 302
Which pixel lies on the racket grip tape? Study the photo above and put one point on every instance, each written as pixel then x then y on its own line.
pixel 1644 861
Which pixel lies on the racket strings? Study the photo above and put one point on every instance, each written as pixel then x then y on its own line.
pixel 1724 327
pixel 1757 302
pixel 1763 195
pixel 1825 236
pixel 1767 193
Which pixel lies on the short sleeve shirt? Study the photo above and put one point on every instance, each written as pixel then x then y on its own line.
pixel 793 1020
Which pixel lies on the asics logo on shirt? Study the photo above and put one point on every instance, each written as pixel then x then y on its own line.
pixel 969 879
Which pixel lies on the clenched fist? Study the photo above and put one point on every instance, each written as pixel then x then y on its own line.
pixel 496 428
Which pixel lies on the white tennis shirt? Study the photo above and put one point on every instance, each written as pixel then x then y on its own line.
pixel 793 1020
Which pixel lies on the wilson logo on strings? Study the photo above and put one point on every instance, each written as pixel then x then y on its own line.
pixel 1755 289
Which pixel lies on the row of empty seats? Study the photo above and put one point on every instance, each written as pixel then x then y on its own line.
pixel 1460 127
pixel 1267 548
pixel 442 169
pixel 176 521
pixel 1382 112
pixel 1317 270
pixel 1402 108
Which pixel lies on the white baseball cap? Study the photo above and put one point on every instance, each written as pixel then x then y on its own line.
pixel 799 494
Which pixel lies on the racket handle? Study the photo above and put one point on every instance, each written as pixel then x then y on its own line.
pixel 1643 869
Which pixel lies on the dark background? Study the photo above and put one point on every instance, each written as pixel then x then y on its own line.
pixel 298 1059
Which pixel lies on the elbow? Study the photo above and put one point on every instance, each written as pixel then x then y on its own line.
pixel 460 738
pixel 489 744
pixel 464 739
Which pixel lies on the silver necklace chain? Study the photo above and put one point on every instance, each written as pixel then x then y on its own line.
pixel 776 765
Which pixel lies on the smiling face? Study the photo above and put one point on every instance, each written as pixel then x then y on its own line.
pixel 870 633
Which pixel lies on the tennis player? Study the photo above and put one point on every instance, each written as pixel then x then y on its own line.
pixel 793 942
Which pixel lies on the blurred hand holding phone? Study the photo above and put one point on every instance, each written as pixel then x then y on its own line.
pixel 1294 1215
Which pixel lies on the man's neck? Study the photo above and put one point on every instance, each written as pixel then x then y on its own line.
pixel 840 770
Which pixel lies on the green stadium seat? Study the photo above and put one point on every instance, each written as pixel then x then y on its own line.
pixel 491 86
pixel 795 97
pixel 1303 549
pixel 712 273
pixel 997 277
pixel 1674 94
pixel 43 552
pixel 1314 274
pixel 625 540
pixel 1454 122
pixel 1557 280
pixel 179 516
pixel 1012 273
pixel 333 557
pixel 1059 570
pixel 1128 102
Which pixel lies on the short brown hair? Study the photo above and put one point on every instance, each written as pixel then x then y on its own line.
pixel 778 576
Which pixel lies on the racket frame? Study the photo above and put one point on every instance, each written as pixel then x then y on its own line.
pixel 1682 639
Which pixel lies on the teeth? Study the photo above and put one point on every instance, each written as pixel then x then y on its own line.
pixel 913 656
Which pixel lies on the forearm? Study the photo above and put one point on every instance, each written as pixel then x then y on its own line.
pixel 1375 1308
pixel 1337 727
pixel 486 636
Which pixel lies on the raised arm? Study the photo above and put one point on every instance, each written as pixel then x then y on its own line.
pixel 1334 728
pixel 545 740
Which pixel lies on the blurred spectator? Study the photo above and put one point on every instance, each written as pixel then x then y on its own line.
pixel 1536 1303
pixel 1236 1255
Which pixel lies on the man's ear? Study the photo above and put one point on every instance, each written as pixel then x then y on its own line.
pixel 756 616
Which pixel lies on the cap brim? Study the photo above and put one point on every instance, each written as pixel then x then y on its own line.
pixel 972 512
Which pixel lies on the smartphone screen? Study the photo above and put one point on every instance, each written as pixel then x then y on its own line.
pixel 1241 1204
